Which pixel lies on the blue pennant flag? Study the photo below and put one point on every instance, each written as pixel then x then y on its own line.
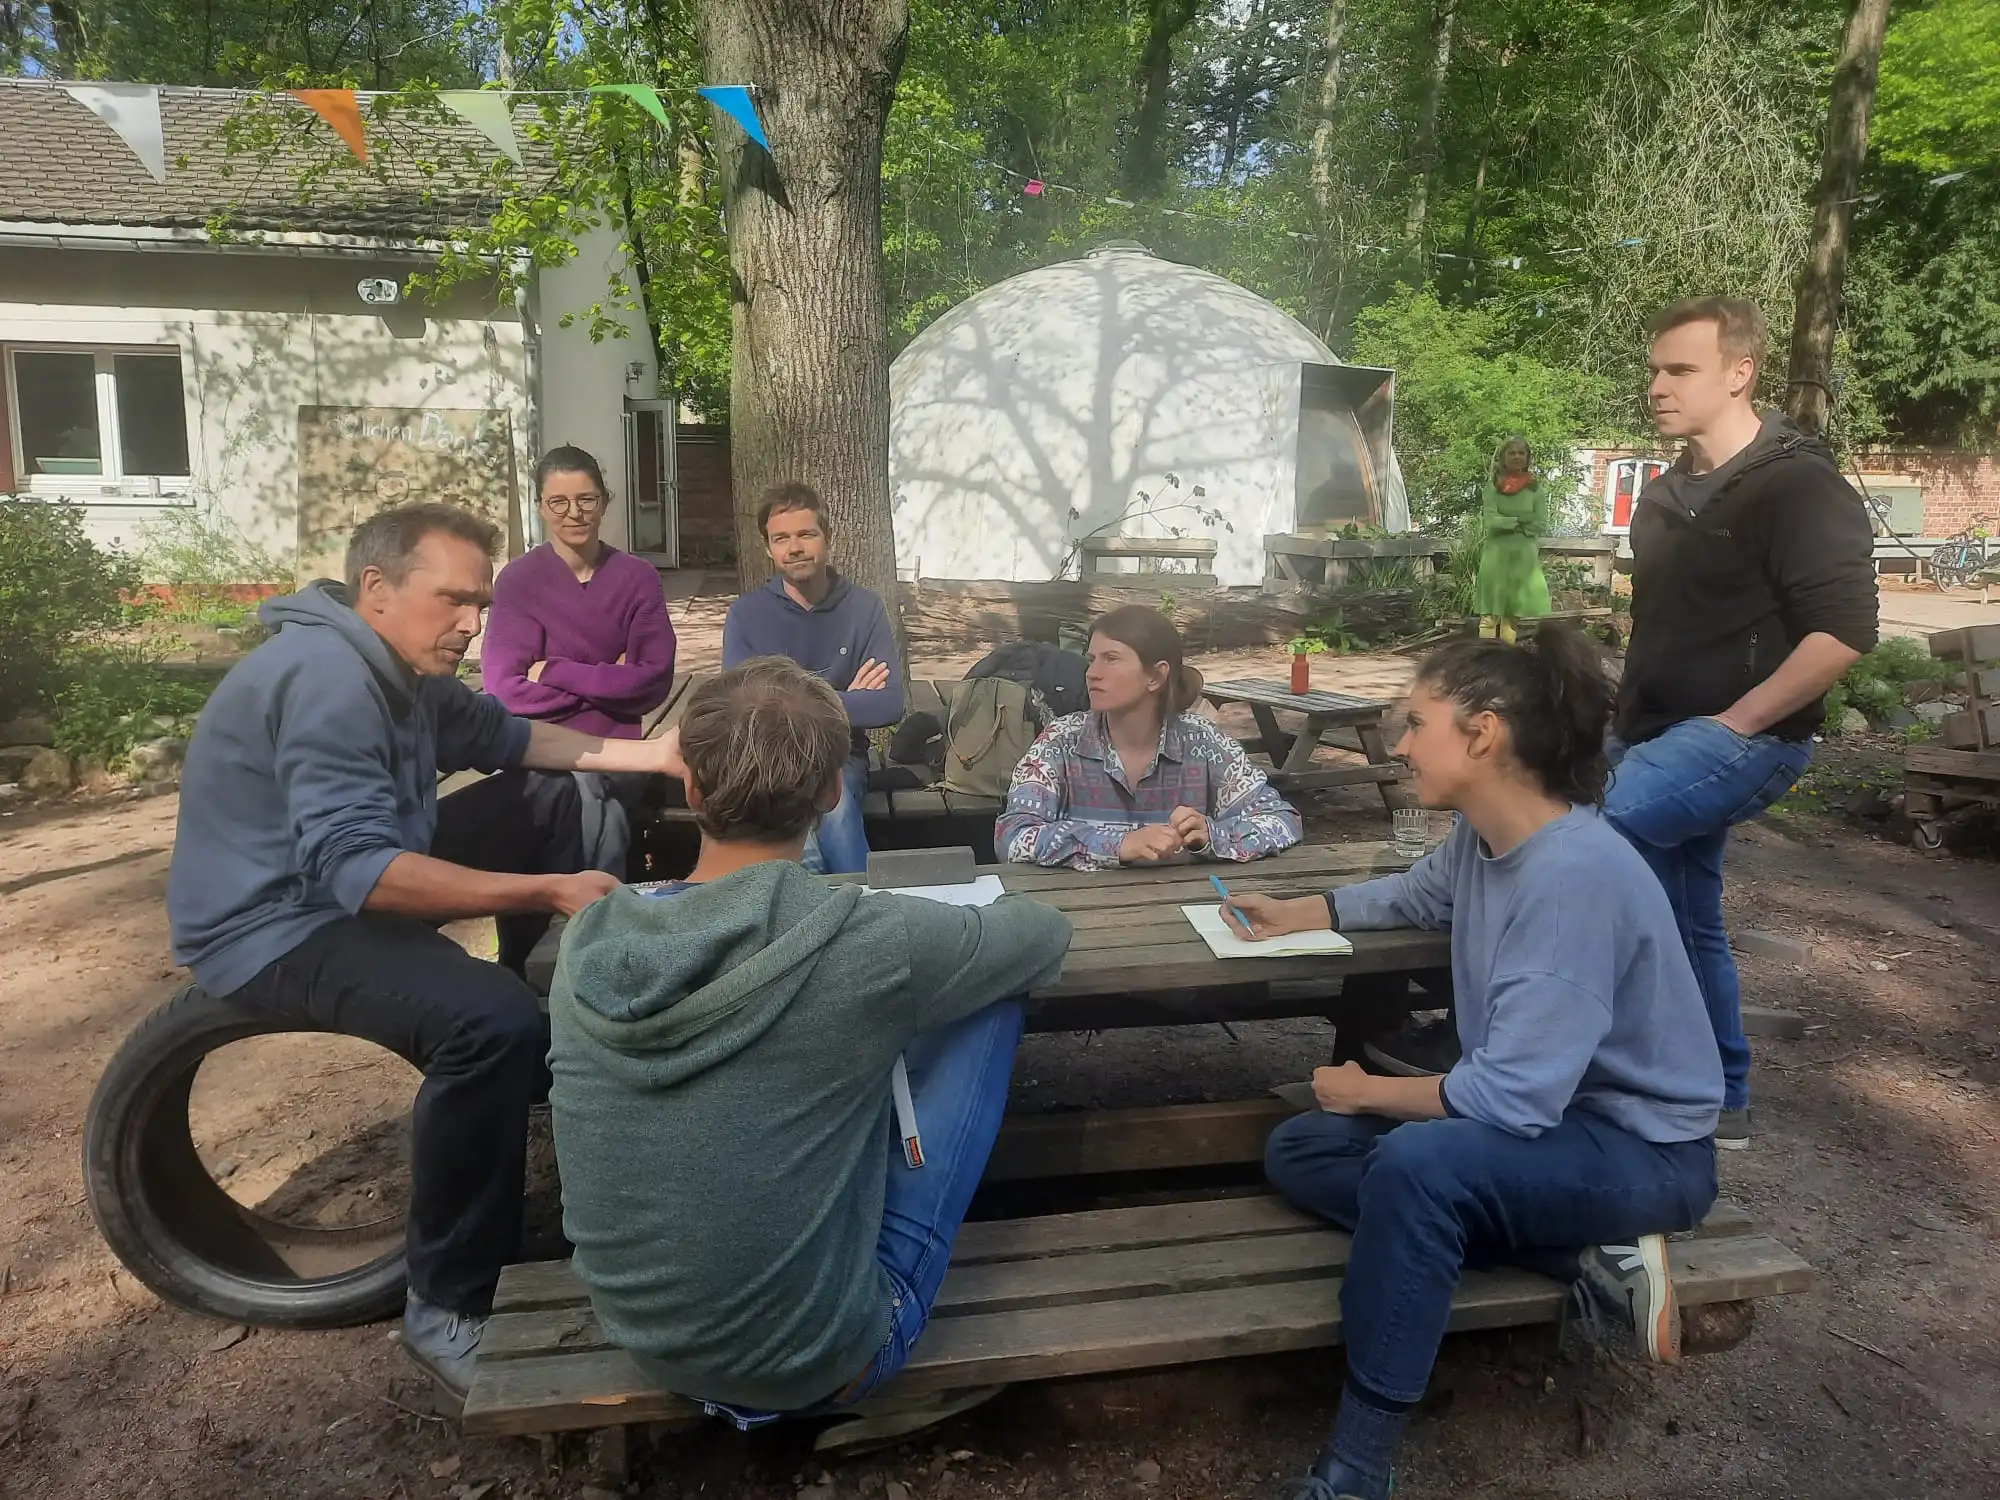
pixel 733 99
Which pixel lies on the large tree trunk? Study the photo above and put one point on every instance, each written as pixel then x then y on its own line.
pixel 1425 152
pixel 1145 150
pixel 809 362
pixel 1329 93
pixel 1816 312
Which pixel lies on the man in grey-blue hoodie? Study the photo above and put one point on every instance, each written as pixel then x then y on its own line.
pixel 835 629
pixel 314 862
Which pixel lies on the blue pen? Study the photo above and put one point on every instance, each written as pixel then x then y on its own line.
pixel 1234 910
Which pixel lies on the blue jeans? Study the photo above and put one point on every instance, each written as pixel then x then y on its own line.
pixel 1675 798
pixel 838 844
pixel 959 1076
pixel 1423 1200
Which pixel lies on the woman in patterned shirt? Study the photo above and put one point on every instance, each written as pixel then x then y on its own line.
pixel 1139 778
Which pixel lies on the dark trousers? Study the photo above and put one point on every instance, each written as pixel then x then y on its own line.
pixel 1426 1199
pixel 474 1028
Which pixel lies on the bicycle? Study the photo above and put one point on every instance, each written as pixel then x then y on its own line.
pixel 1965 557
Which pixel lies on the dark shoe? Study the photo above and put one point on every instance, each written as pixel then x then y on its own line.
pixel 1627 1292
pixel 1732 1131
pixel 1422 1049
pixel 445 1346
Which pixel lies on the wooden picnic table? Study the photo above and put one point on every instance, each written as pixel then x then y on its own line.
pixel 1160 1277
pixel 1291 754
pixel 1135 961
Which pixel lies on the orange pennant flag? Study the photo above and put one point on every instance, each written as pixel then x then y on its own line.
pixel 340 109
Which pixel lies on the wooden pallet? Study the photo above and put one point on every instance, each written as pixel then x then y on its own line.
pixel 1201 1277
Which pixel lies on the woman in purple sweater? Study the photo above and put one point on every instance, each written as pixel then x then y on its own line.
pixel 578 635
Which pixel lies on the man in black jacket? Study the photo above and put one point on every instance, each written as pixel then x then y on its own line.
pixel 1753 591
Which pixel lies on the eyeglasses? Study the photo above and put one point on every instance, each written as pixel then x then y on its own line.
pixel 580 506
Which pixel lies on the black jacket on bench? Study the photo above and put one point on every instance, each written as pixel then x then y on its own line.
pixel 1731 570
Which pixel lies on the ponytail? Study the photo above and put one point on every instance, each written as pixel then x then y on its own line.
pixel 1553 694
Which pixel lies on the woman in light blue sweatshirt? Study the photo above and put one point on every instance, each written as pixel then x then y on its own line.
pixel 1577 1130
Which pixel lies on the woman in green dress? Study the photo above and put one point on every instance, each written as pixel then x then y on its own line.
pixel 1513 515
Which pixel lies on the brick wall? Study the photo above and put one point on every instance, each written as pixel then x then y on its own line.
pixel 1959 487
pixel 708 527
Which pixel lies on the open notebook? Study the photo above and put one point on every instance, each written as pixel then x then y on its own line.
pixel 1223 943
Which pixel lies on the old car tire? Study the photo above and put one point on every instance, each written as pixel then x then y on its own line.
pixel 181 1234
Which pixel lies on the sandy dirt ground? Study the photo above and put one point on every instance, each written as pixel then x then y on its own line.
pixel 1877 1158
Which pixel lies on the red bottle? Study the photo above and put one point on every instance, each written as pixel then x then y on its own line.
pixel 1302 679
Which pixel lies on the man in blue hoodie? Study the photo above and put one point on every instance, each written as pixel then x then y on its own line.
pixel 314 862
pixel 834 629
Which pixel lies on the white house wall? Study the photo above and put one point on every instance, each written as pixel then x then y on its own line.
pixel 259 336
pixel 585 382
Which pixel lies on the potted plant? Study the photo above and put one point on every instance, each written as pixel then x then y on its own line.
pixel 1303 648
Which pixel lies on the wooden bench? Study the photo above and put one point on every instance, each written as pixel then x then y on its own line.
pixel 1204 1276
pixel 1189 562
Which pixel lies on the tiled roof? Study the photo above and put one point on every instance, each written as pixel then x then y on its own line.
pixel 61 164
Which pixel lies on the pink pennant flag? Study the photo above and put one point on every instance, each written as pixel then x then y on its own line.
pixel 1034 187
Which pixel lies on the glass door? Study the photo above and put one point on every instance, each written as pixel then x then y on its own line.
pixel 652 518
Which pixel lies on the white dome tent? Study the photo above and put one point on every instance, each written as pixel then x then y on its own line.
pixel 1122 394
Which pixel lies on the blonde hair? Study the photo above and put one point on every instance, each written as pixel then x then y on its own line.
pixel 763 742
pixel 1154 639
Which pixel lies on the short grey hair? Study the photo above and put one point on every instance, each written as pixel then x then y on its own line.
pixel 388 540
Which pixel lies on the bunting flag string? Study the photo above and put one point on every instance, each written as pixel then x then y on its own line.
pixel 340 108
pixel 488 112
pixel 133 111
pixel 734 100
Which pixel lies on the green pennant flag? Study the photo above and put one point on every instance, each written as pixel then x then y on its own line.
pixel 647 98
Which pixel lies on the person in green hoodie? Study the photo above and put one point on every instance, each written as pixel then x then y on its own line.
pixel 1513 514
pixel 750 1223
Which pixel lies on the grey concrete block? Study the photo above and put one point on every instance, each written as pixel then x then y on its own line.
pixel 1771 945
pixel 906 867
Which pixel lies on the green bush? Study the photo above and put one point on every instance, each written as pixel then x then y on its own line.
pixel 115 697
pixel 1461 391
pixel 1875 683
pixel 56 586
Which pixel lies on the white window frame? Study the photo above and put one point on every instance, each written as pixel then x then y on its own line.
pixel 113 486
pixel 1635 462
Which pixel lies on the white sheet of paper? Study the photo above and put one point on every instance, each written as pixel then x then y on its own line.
pixel 981 892
pixel 1223 943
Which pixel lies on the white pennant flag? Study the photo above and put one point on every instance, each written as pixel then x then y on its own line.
pixel 133 110
pixel 486 111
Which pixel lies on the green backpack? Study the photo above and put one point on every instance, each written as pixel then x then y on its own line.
pixel 990 725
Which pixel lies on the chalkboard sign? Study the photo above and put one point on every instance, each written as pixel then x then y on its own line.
pixel 357 460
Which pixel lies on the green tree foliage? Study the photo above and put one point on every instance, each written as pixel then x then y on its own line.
pixel 1462 389
pixel 1592 160
pixel 1937 106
